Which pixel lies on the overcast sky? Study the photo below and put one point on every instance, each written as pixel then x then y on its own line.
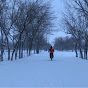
pixel 58 6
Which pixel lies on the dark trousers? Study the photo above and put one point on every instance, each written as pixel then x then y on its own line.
pixel 51 55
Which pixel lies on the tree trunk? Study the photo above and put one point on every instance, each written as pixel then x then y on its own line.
pixel 21 50
pixel 8 49
pixel 16 45
pixel 8 53
pixel 30 47
pixel 81 54
pixel 12 54
pixel 76 50
pixel 16 55
pixel 16 51
pixel 34 49
pixel 2 50
pixel 86 51
pixel 37 49
pixel 27 51
pixel 86 54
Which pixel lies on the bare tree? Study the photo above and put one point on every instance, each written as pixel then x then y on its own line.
pixel 74 27
pixel 2 24
pixel 21 23
pixel 31 20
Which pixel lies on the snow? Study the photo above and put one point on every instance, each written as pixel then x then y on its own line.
pixel 39 71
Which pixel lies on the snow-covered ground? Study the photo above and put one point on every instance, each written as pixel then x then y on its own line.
pixel 38 71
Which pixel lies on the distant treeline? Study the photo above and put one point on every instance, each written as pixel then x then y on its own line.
pixel 66 43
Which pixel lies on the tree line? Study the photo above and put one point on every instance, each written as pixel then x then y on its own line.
pixel 66 43
pixel 23 26
pixel 75 22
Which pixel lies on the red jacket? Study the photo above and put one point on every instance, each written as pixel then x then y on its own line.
pixel 51 50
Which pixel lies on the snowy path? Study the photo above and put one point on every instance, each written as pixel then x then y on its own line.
pixel 38 71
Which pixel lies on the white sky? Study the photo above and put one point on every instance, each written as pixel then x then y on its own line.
pixel 58 6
